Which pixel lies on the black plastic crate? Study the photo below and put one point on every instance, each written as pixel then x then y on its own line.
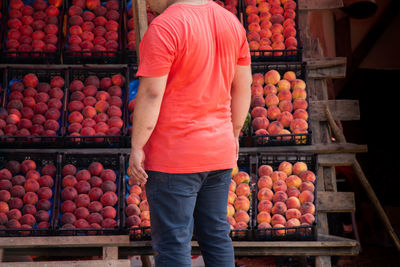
pixel 140 232
pixel 32 57
pixel 133 88
pixel 300 69
pixel 82 161
pixel 93 57
pixel 276 55
pixel 40 159
pixel 296 233
pixel 97 140
pixel 246 164
pixel 44 75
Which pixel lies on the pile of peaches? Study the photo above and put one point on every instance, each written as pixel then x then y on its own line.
pixel 238 207
pixel 34 107
pixel 285 197
pixel 26 195
pixel 278 107
pixel 137 212
pixel 88 197
pixel 230 5
pixel 93 27
pixel 271 26
pixel 95 106
pixel 33 28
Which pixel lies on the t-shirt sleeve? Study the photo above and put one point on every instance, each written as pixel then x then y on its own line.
pixel 156 52
pixel 244 53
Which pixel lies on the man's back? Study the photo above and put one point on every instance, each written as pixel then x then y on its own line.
pixel 198 46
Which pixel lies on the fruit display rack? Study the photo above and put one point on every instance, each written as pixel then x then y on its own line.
pixel 115 243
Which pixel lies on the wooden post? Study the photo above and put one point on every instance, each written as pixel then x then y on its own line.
pixel 140 19
pixel 110 253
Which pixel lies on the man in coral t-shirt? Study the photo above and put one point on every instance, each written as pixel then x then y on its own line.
pixel 193 98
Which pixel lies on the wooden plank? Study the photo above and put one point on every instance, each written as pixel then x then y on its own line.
pixel 335 201
pixel 329 179
pixel 1 254
pixel 94 263
pixel 64 241
pixel 323 68
pixel 343 159
pixel 140 19
pixel 318 5
pixel 342 110
pixel 315 148
pixel 110 253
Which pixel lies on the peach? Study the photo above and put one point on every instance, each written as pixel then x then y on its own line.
pixel 265 170
pixel 230 210
pixel 307 185
pixel 233 185
pixel 277 28
pixel 241 177
pixel 289 5
pixel 270 89
pixel 69 180
pixel 82 187
pixel 293 203
pixel 108 175
pixel 300 104
pixel 257 90
pixel 278 175
pixel 298 84
pixel 278 219
pixel 263 136
pixel 272 77
pixel 279 196
pixel 300 114
pixel 82 200
pixel 260 123
pixel 298 124
pixel 31 185
pixel 258 78
pixel 308 176
pixel 144 205
pixel 45 193
pixel 293 222
pixel 275 127
pixel 285 118
pixel 306 196
pixel 265 34
pixel 30 198
pixel 109 199
pixel 293 213
pixel 243 190
pixel 17 191
pixel 286 167
pixel 115 122
pixel 95 206
pixel 277 19
pixel 251 9
pixel 279 208
pixel 231 221
pixel 279 185
pixel 108 212
pixel 265 194
pixel 133 199
pixel 263 217
pixel 265 205
pixel 94 217
pixel 5 185
pixel 242 203
pixel 68 206
pixel 69 193
pixel 4 207
pixel 273 112
pixel 132 209
pixel 242 216
pixel 307 218
pixel 307 207
pixel 299 94
pixel 277 37
pixel 109 186
pixel 75 116
pixel 271 100
pixel 135 189
pixel 264 182
pixel 259 112
pixel 95 193
pixel 257 101
pixel 294 181
pixel 291 42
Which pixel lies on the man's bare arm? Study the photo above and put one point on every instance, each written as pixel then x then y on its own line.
pixel 147 108
pixel 241 95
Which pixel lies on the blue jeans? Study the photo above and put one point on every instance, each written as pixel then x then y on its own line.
pixel 180 203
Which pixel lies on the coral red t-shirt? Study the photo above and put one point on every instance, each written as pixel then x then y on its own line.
pixel 199 47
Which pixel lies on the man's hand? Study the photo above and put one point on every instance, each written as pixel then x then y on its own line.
pixel 136 166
